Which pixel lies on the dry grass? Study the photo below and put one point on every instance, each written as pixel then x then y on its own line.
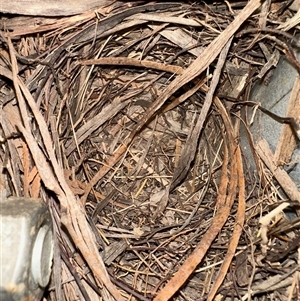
pixel 121 122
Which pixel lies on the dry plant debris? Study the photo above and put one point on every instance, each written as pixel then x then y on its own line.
pixel 123 121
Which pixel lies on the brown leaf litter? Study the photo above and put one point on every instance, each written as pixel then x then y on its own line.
pixel 125 121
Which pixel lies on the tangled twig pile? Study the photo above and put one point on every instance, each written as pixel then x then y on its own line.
pixel 121 121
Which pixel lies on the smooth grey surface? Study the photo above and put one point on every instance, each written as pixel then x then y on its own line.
pixel 23 275
pixel 274 97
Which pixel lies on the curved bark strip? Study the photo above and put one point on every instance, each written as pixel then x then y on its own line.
pixel 51 8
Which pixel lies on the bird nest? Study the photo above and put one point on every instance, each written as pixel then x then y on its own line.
pixel 125 122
